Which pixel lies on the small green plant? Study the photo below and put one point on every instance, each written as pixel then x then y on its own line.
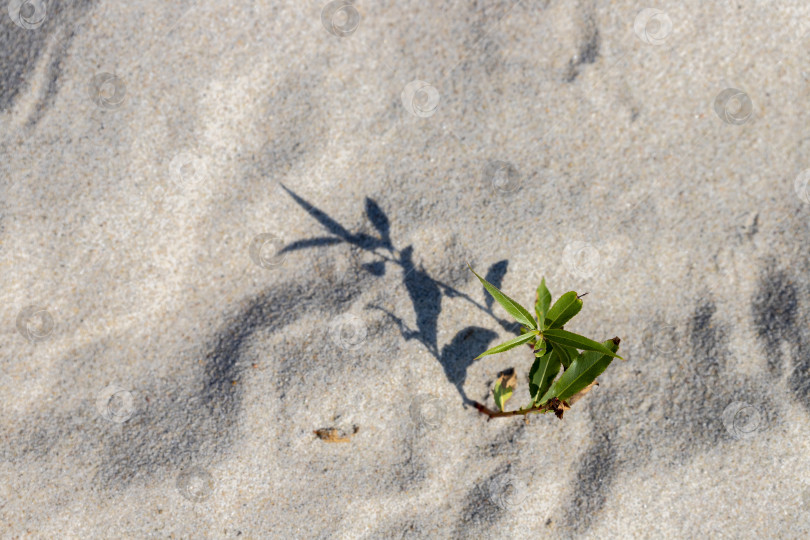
pixel 556 351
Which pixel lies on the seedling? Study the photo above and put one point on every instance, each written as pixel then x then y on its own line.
pixel 556 351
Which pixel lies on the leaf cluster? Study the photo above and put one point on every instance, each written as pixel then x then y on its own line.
pixel 576 359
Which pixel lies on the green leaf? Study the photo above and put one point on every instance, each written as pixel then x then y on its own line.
pixel 540 347
pixel 583 371
pixel 567 354
pixel 523 330
pixel 563 310
pixel 504 387
pixel 542 301
pixel 570 339
pixel 542 373
pixel 511 344
pixel 517 311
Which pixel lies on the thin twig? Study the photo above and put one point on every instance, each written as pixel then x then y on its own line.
pixel 493 414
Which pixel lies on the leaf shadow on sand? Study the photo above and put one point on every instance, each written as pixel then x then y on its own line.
pixel 424 291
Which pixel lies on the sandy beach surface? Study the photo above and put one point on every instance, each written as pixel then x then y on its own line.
pixel 225 226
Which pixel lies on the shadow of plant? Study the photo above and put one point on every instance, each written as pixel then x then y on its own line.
pixel 424 291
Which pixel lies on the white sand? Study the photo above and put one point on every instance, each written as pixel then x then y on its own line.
pixel 689 232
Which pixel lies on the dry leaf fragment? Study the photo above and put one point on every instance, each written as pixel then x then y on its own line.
pixel 504 387
pixel 508 378
pixel 576 397
pixel 332 435
pixel 559 407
